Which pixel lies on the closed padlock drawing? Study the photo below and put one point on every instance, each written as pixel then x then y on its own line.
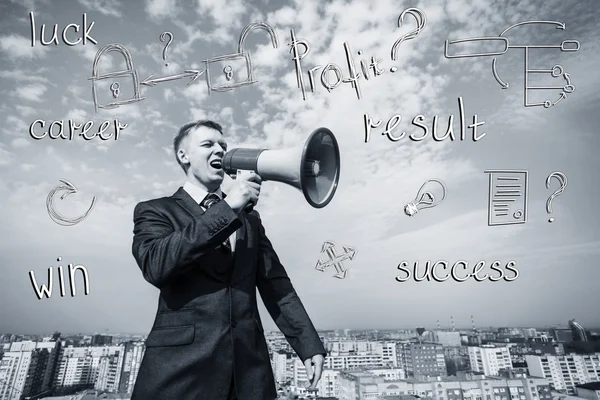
pixel 129 73
pixel 228 71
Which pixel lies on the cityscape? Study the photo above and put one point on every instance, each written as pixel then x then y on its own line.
pixel 495 363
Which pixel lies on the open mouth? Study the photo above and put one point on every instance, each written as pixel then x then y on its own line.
pixel 216 164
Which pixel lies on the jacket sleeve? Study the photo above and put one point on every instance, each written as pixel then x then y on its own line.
pixel 163 253
pixel 283 303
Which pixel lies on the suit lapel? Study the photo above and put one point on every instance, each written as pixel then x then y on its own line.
pixel 187 202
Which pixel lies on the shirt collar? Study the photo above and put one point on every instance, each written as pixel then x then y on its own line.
pixel 197 193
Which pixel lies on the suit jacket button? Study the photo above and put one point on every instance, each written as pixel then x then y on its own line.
pixel 233 324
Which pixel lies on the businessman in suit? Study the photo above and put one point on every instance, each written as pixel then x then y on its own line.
pixel 207 255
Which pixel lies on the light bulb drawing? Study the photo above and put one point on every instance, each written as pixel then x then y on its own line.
pixel 425 199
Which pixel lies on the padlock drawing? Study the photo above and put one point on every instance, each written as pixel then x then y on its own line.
pixel 228 71
pixel 129 72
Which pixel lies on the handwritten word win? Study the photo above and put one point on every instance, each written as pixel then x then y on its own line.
pixel 430 272
pixel 44 290
pixel 394 121
pixel 69 133
pixel 54 39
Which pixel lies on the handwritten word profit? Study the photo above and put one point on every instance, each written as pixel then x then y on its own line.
pixel 44 290
pixel 394 121
pixel 352 79
pixel 70 132
pixel 54 39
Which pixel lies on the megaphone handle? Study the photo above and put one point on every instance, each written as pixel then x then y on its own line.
pixel 249 207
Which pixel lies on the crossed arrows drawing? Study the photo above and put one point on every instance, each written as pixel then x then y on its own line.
pixel 335 260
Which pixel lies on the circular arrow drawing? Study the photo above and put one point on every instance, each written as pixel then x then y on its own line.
pixel 69 188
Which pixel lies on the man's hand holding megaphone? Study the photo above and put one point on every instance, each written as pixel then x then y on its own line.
pixel 244 192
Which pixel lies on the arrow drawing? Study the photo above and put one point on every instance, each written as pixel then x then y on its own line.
pixel 560 25
pixel 556 71
pixel 497 77
pixel 69 188
pixel 335 260
pixel 190 73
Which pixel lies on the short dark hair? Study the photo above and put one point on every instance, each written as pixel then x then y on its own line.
pixel 185 130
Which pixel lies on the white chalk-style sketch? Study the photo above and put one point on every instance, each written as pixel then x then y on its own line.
pixel 240 55
pixel 425 199
pixel 116 89
pixel 507 200
pixel 192 74
pixel 162 38
pixel 68 189
pixel 421 19
pixel 129 73
pixel 557 71
pixel 562 181
pixel 189 73
pixel 335 260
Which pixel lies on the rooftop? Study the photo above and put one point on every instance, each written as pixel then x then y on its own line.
pixel 590 386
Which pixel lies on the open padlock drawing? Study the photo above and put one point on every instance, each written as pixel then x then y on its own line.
pixel 129 73
pixel 229 72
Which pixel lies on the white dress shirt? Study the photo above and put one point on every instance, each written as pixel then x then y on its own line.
pixel 198 194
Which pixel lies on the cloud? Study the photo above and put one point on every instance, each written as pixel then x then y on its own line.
pixel 19 47
pixel 20 143
pixel 33 92
pixel 6 157
pixel 19 75
pixel 106 7
pixel 161 8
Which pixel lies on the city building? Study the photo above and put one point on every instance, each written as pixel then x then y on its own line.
pixel 134 352
pixel 364 385
pixel 565 372
pixel 563 335
pixel 27 368
pixel 530 333
pixel 422 359
pixel 579 334
pixel 447 338
pixel 489 359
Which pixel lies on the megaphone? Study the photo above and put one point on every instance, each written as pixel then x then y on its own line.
pixel 313 168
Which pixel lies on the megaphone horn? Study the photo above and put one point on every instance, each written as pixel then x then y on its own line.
pixel 313 168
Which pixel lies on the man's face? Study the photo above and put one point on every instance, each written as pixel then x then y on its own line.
pixel 203 150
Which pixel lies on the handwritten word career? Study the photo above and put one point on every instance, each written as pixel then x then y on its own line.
pixel 430 272
pixel 394 121
pixel 70 132
pixel 44 290
pixel 85 36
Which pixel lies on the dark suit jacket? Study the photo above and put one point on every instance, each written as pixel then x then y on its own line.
pixel 207 326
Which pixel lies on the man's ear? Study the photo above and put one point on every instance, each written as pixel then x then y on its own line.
pixel 182 156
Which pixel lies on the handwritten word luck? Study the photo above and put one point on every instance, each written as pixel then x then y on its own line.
pixel 394 121
pixel 54 39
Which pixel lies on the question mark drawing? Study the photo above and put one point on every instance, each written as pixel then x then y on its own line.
pixel 562 180
pixel 162 38
pixel 421 19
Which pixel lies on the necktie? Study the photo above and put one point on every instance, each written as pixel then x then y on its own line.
pixel 210 200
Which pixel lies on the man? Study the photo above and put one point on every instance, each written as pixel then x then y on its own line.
pixel 207 255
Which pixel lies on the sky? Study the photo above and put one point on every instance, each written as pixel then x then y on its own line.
pixel 557 262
